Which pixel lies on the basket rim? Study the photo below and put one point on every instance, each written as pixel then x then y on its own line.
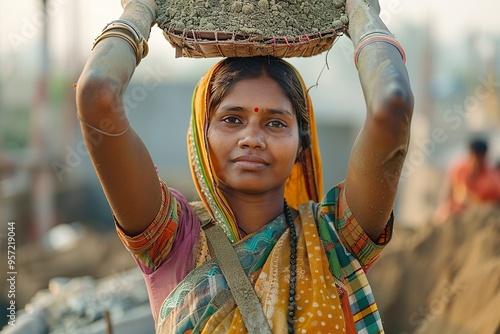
pixel 212 48
pixel 201 36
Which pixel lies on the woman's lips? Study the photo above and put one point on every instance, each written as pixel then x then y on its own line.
pixel 250 162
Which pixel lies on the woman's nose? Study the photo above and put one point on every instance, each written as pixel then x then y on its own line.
pixel 252 136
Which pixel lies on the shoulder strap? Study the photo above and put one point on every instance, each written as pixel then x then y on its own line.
pixel 243 292
pixel 239 283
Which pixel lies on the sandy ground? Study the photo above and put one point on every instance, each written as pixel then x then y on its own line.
pixel 442 279
pixel 434 279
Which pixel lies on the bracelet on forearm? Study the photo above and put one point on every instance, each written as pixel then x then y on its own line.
pixel 128 32
pixel 373 32
pixel 102 131
pixel 123 35
pixel 116 24
pixel 373 38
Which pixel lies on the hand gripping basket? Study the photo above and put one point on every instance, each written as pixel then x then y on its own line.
pixel 244 28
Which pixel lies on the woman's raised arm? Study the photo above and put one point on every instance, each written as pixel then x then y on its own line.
pixel 121 160
pixel 379 151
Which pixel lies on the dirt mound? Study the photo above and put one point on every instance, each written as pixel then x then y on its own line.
pixel 254 17
pixel 94 254
pixel 442 279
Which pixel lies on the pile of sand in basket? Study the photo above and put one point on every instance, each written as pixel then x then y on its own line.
pixel 215 28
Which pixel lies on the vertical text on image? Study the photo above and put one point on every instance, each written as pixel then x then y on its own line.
pixel 11 273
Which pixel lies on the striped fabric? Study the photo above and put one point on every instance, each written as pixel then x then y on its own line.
pixel 152 246
pixel 351 258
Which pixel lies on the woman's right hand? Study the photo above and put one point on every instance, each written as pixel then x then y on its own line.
pixel 140 10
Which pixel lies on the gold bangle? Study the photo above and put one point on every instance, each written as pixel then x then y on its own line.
pixel 124 36
pixel 126 25
pixel 128 32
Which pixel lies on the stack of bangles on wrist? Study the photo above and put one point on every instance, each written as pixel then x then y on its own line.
pixel 128 32
pixel 377 36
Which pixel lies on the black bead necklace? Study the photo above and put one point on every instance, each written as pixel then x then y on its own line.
pixel 293 269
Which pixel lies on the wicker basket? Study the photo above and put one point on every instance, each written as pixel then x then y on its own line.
pixel 191 41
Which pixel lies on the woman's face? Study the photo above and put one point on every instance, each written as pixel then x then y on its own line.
pixel 253 137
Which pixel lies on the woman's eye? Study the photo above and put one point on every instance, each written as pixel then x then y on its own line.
pixel 231 119
pixel 277 124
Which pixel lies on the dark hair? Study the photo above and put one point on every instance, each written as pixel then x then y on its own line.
pixel 233 70
pixel 478 146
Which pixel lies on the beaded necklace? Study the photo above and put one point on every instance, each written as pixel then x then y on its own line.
pixel 293 269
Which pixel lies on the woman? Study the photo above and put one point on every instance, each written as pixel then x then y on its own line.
pixel 255 162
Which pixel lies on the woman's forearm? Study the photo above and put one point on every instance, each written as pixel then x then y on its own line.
pixel 379 151
pixel 381 67
pixel 120 158
pixel 110 67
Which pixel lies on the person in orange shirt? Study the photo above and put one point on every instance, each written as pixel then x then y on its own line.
pixel 471 181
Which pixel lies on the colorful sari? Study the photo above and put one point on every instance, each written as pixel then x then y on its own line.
pixel 202 302
pixel 332 292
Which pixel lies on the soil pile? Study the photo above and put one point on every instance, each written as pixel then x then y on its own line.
pixel 442 278
pixel 265 18
pixel 94 254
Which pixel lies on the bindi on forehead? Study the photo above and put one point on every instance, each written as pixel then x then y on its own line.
pixel 256 109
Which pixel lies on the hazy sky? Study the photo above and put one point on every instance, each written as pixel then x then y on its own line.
pixel 20 27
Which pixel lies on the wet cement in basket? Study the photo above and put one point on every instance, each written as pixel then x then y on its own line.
pixel 267 18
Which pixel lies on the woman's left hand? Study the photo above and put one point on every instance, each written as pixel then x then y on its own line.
pixel 350 5
pixel 363 17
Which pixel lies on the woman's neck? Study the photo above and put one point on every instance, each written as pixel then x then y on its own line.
pixel 253 211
